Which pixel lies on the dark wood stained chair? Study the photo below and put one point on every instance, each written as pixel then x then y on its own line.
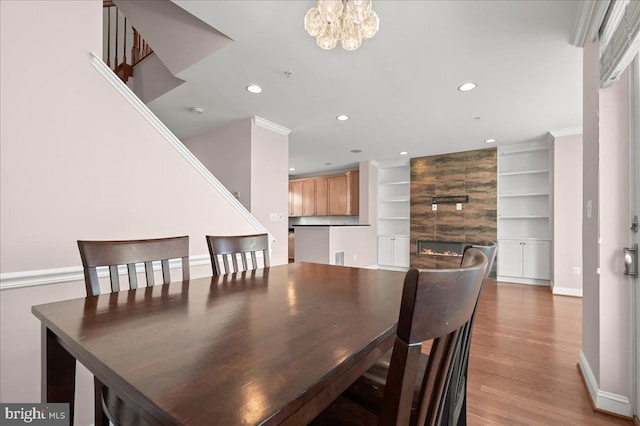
pixel 455 411
pixel 436 304
pixel 228 248
pixel 369 388
pixel 95 254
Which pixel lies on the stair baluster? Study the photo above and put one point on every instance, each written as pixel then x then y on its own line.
pixel 139 47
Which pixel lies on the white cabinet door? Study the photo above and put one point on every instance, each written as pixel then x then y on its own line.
pixel 536 260
pixel 385 251
pixel 401 251
pixel 510 258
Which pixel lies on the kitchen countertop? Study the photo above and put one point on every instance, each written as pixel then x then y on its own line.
pixel 346 224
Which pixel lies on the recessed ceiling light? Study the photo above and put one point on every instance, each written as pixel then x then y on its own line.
pixel 342 117
pixel 466 87
pixel 489 141
pixel 197 110
pixel 254 88
pixel 403 153
pixel 356 151
pixel 292 169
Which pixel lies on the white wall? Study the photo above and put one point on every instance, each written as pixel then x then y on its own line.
pixel 615 316
pixel 151 79
pixel 567 215
pixel 253 161
pixel 270 187
pixel 77 162
pixel 226 152
pixel 606 309
pixel 591 166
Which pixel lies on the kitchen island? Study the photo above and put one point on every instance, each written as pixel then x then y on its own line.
pixel 348 245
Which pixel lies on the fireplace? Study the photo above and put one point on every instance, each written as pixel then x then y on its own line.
pixel 441 248
pixel 439 254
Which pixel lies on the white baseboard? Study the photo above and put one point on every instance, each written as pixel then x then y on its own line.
pixel 566 291
pixel 604 401
pixel 528 281
pixel 392 268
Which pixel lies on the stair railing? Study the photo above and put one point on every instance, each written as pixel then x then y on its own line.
pixel 120 37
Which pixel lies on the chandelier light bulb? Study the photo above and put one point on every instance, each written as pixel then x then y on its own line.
pixel 331 10
pixel 351 38
pixel 327 39
pixel 371 25
pixel 313 22
pixel 358 10
pixel 347 21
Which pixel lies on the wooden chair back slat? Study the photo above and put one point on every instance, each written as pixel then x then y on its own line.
pixel 435 304
pixel 456 392
pixel 113 253
pixel 232 246
pixel 115 277
pixel 133 277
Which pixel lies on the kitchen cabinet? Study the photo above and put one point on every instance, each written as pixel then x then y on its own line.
pixel 322 196
pixel 308 197
pixel 393 251
pixel 336 195
pixel 353 195
pixel 524 259
pixel 295 198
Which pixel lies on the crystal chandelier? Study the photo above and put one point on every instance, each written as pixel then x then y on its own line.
pixel 349 21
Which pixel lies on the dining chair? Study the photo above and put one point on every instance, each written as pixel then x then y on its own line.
pixel 95 254
pixel 435 305
pixel 369 388
pixel 455 411
pixel 229 248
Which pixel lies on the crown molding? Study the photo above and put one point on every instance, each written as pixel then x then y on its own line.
pixel 270 125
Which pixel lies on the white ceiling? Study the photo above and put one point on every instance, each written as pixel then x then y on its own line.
pixel 399 88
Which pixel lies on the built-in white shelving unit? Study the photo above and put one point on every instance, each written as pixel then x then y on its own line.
pixel 393 215
pixel 525 206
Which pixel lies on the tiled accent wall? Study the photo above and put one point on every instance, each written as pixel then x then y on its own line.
pixel 472 173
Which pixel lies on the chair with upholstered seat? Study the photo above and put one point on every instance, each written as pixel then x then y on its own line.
pixel 225 250
pixel 111 254
pixel 435 305
pixel 369 388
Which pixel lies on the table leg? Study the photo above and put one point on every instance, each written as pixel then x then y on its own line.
pixel 58 372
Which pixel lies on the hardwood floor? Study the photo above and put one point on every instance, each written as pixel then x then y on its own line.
pixel 522 367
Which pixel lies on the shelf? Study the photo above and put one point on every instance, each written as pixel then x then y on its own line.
pixel 526 172
pixel 532 194
pixel 523 238
pixel 400 182
pixel 523 150
pixel 394 218
pixel 394 235
pixel 524 217
pixel 404 200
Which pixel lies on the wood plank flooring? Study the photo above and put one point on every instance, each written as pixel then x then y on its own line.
pixel 522 367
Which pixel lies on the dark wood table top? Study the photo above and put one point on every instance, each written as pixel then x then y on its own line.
pixel 274 345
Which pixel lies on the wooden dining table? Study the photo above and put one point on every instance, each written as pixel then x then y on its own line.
pixel 270 346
